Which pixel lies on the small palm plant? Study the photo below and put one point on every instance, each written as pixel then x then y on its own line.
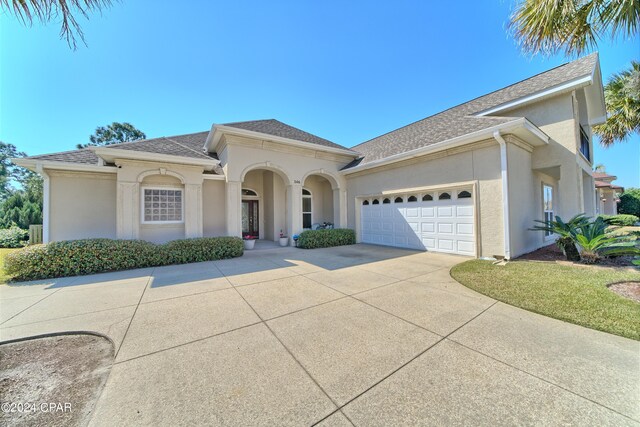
pixel 566 232
pixel 595 243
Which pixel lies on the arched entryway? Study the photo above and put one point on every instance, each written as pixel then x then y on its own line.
pixel 317 202
pixel 263 201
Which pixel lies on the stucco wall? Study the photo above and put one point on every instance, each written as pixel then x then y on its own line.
pixel 82 205
pixel 161 233
pixel 481 165
pixel 213 209
pixel 321 199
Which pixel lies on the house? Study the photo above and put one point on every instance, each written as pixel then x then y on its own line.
pixel 606 193
pixel 470 180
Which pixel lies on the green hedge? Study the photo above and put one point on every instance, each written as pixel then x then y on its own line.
pixel 79 257
pixel 312 239
pixel 622 219
pixel 13 237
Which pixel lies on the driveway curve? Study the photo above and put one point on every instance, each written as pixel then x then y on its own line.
pixel 355 335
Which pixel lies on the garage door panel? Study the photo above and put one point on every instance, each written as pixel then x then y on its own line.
pixel 464 211
pixel 464 229
pixel 438 225
pixel 445 211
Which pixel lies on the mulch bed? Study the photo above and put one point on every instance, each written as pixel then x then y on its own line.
pixel 629 290
pixel 554 254
pixel 52 381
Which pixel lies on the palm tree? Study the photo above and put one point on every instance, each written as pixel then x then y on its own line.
pixel 47 10
pixel 549 26
pixel 622 96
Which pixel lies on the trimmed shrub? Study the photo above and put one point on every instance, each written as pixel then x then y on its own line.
pixel 89 256
pixel 203 249
pixel 630 202
pixel 14 237
pixel 312 239
pixel 621 220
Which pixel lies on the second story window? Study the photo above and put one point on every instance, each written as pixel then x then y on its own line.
pixel 584 144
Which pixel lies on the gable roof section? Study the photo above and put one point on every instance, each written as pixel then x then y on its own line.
pixel 464 119
pixel 189 145
pixel 282 130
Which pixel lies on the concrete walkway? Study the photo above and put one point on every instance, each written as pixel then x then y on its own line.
pixel 359 335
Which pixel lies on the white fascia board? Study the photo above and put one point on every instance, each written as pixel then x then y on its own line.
pixel 521 123
pixel 114 153
pixel 34 164
pixel 213 140
pixel 565 87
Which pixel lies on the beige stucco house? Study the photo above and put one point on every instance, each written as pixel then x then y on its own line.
pixel 607 193
pixel 469 180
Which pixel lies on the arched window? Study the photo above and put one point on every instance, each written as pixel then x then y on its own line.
pixel 306 208
pixel 249 193
pixel 444 196
pixel 398 200
pixel 365 203
pixel 412 199
pixel 375 202
pixel 427 198
pixel 464 195
pixel 386 201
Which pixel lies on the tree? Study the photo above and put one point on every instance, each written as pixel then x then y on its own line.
pixel 113 134
pixel 8 171
pixel 47 10
pixel 549 26
pixel 622 96
pixel 630 202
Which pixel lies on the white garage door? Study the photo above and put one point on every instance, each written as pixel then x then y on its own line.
pixel 439 221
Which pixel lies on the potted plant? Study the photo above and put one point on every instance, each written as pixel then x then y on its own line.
pixel 284 240
pixel 249 241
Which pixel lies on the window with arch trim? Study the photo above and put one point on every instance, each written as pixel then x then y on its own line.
pixel 375 202
pixel 464 194
pixel 386 201
pixel 398 200
pixel 306 208
pixel 412 199
pixel 444 196
pixel 427 198
pixel 162 205
pixel 365 203
pixel 248 192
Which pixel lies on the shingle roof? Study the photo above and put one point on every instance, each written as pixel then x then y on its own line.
pixel 190 145
pixel 283 130
pixel 84 156
pixel 460 120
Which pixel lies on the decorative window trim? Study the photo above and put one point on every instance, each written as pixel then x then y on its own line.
pixel 448 195
pixel 464 194
pixel 386 201
pixel 375 202
pixel 547 236
pixel 248 196
pixel 310 212
pixel 365 203
pixel 395 200
pixel 427 198
pixel 143 206
pixel 412 199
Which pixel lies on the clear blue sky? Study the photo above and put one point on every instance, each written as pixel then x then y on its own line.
pixel 347 71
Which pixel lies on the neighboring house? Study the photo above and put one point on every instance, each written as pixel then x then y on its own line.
pixel 607 194
pixel 469 180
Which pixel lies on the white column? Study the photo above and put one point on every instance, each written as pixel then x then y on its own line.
pixel 193 210
pixel 294 209
pixel 128 210
pixel 234 208
pixel 46 201
pixel 340 208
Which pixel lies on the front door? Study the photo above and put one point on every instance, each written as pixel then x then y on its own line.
pixel 250 218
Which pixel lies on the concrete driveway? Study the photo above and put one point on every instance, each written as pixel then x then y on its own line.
pixel 360 335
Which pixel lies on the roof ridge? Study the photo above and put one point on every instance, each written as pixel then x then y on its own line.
pixel 202 153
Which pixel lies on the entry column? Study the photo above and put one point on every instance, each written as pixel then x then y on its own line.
pixel 233 206
pixel 294 209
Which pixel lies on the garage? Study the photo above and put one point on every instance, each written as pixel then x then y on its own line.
pixel 441 221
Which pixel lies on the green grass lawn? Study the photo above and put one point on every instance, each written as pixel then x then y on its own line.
pixel 3 252
pixel 574 294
